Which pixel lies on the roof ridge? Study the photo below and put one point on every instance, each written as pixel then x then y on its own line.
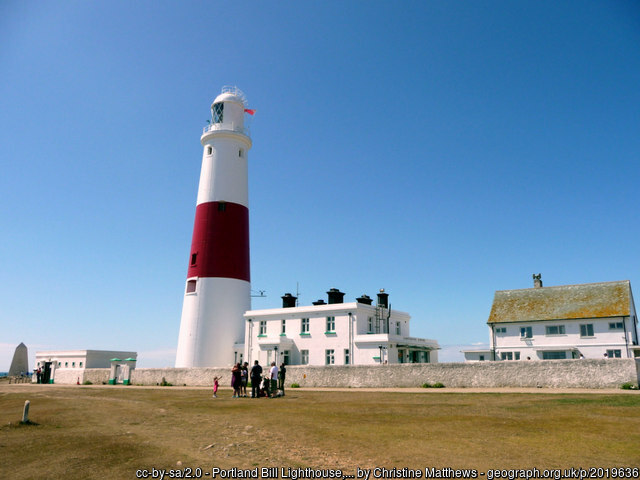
pixel 563 286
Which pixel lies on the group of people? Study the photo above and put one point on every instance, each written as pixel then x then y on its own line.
pixel 269 384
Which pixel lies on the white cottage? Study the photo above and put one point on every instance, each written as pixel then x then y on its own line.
pixel 66 366
pixel 596 320
pixel 334 333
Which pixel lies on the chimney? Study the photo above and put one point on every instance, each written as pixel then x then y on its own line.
pixel 288 300
pixel 319 302
pixel 383 299
pixel 537 280
pixel 366 299
pixel 335 296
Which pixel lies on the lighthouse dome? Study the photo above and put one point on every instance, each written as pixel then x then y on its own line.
pixel 227 110
pixel 231 94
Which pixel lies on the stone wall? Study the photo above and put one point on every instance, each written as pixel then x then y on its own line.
pixel 549 373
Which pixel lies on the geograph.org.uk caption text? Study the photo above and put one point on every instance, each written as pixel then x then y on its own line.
pixel 288 473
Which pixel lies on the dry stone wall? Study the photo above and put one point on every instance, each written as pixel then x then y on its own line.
pixel 549 373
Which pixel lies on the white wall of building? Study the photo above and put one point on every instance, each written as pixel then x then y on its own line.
pixel 348 342
pixel 613 334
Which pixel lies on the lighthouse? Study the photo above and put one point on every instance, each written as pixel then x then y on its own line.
pixel 217 290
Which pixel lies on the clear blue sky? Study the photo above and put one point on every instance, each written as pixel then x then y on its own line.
pixel 441 150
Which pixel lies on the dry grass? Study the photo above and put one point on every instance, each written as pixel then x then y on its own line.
pixel 97 432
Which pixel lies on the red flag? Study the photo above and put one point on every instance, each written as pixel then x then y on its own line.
pixel 249 111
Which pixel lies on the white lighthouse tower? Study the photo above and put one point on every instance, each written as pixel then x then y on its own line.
pixel 218 291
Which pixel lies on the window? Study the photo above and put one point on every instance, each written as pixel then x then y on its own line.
pixel 506 356
pixel 500 330
pixel 616 326
pixel 209 150
pixel 517 355
pixel 555 330
pixel 398 328
pixel 481 358
pixel 222 206
pixel 614 353
pixel 240 153
pixel 554 355
pixel 370 325
pixel 194 256
pixel 304 357
pixel 191 286
pixel 66 364
pixel 283 327
pixel 586 330
pixel 263 327
pixel 304 327
pixel 217 111
pixel 73 364
pixel 80 364
pixel 526 332
pixel 285 357
pixel 329 357
pixel 331 324
pixel 347 357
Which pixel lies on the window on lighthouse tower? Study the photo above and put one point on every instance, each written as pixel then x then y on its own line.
pixel 217 112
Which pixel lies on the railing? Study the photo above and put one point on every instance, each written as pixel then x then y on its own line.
pixel 235 91
pixel 225 127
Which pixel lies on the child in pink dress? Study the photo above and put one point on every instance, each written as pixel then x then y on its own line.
pixel 215 387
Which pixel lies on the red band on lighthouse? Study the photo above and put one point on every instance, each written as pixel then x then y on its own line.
pixel 220 244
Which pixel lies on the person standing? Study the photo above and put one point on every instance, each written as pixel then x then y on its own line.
pixel 281 376
pixel 235 380
pixel 215 387
pixel 244 377
pixel 273 375
pixel 256 379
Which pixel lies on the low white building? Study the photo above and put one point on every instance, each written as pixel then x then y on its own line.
pixel 68 364
pixel 596 320
pixel 334 333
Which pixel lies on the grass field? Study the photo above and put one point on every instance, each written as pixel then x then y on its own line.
pixel 98 432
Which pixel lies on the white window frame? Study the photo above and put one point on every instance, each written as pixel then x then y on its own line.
pixel 262 327
pixel 329 356
pixel 347 357
pixel 526 332
pixel 283 327
pixel 304 357
pixel 560 330
pixel 304 325
pixel 616 326
pixel 585 327
pixel 331 324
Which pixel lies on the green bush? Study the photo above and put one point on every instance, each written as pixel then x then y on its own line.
pixel 87 382
pixel 435 385
pixel 629 386
pixel 295 385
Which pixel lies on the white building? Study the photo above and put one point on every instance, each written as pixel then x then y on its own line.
pixel 70 363
pixel 596 320
pixel 334 333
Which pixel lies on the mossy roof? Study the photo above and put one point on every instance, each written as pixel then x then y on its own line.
pixel 591 300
